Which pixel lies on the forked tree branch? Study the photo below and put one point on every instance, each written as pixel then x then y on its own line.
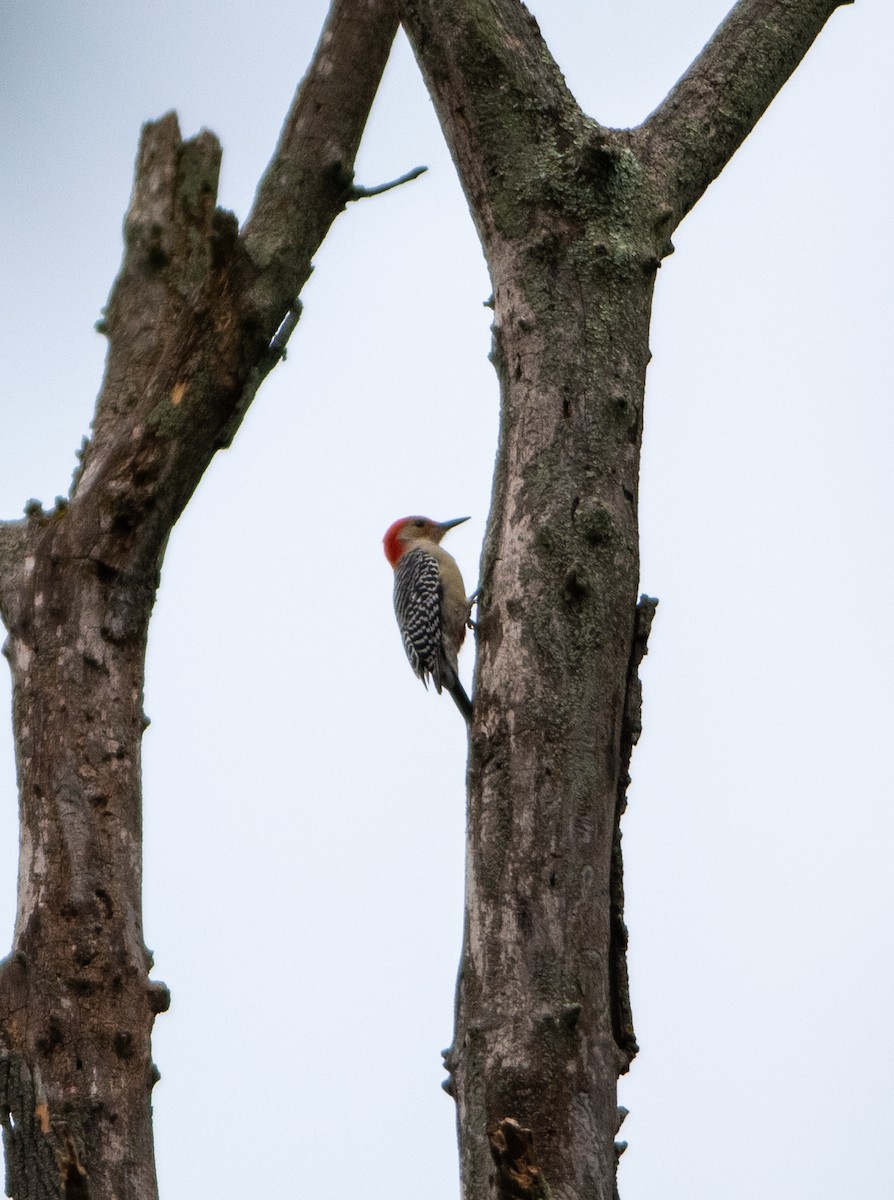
pixel 196 304
pixel 684 144
pixel 694 133
pixel 573 218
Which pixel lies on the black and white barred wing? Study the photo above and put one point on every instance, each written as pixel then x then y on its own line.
pixel 417 606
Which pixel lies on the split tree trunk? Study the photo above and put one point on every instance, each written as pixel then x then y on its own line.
pixel 574 219
pixel 198 316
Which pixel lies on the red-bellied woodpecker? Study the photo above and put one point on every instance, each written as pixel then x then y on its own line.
pixel 430 602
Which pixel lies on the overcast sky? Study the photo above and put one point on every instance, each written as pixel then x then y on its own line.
pixel 304 796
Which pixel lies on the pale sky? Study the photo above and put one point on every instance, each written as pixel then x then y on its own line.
pixel 304 797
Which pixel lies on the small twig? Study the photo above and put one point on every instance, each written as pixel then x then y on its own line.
pixel 360 193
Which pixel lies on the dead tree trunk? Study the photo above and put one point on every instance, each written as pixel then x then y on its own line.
pixel 574 219
pixel 198 316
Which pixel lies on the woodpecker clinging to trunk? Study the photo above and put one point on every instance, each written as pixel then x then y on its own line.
pixel 430 602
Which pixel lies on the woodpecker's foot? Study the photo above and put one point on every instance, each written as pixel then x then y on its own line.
pixel 473 600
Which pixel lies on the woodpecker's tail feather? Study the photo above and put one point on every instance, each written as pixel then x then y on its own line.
pixel 462 701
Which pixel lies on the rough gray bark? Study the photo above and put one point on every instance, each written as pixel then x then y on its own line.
pixel 574 219
pixel 190 323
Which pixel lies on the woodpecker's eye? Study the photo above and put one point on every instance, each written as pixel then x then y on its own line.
pixel 419 524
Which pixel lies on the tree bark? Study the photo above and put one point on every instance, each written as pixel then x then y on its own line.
pixel 191 324
pixel 574 220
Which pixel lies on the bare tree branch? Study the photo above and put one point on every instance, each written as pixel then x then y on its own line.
pixel 310 176
pixel 693 134
pixel 196 304
pixel 501 99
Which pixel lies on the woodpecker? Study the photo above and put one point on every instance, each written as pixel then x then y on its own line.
pixel 430 602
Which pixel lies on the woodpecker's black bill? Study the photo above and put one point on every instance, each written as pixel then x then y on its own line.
pixel 445 525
